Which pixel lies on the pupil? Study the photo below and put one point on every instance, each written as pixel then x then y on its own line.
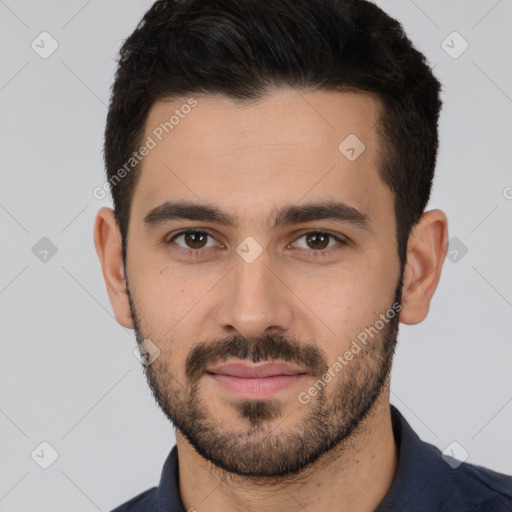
pixel 318 238
pixel 190 239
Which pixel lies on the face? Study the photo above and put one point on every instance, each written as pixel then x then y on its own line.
pixel 262 263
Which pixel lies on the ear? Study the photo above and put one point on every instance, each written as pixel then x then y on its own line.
pixel 426 251
pixel 107 239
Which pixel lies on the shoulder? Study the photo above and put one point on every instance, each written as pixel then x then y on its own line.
pixel 482 488
pixel 145 501
pixel 429 480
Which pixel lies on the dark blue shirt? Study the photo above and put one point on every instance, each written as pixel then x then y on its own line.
pixel 424 482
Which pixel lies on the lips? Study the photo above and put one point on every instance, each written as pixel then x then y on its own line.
pixel 255 381
pixel 252 371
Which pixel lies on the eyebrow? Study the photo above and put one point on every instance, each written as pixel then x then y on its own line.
pixel 285 216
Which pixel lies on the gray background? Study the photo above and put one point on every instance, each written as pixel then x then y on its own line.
pixel 68 375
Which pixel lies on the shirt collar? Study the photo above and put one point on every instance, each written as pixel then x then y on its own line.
pixel 419 465
pixel 168 490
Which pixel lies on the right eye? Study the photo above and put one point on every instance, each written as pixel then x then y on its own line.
pixel 192 240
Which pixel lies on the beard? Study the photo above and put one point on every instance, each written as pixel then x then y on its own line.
pixel 263 451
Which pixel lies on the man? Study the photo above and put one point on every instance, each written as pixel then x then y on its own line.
pixel 270 164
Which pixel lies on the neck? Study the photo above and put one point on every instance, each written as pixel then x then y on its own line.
pixel 356 475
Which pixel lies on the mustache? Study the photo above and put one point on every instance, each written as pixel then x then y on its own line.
pixel 268 348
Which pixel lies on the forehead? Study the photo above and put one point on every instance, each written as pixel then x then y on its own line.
pixel 252 155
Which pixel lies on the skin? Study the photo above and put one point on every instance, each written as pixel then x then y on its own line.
pixel 249 160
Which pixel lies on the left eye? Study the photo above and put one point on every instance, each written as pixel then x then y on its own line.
pixel 318 241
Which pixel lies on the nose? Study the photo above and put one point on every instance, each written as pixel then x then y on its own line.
pixel 255 300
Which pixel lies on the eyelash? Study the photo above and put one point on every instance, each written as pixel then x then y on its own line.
pixel 200 252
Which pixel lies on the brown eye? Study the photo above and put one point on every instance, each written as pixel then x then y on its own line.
pixel 193 240
pixel 318 241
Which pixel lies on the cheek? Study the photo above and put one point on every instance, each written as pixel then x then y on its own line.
pixel 348 302
pixel 160 285
pixel 169 305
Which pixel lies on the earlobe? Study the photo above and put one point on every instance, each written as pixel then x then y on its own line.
pixel 426 251
pixel 107 240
